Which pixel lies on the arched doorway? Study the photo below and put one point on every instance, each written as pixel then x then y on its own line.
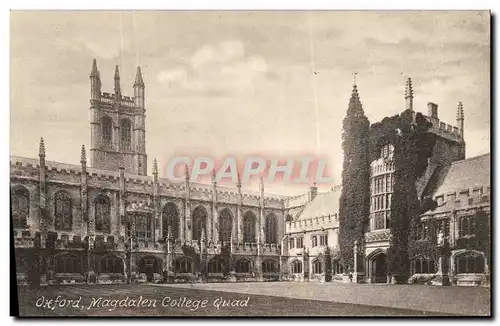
pixel 150 265
pixel 378 268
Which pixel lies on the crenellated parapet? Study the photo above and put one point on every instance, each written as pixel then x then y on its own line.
pixel 311 224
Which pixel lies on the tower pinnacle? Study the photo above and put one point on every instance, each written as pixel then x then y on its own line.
pixel 83 157
pixel 460 119
pixel 41 149
pixel 117 81
pixel 409 95
pixel 355 107
pixel 94 71
pixel 186 172
pixel 138 77
pixel 155 167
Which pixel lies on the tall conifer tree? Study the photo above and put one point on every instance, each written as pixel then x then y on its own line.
pixel 355 198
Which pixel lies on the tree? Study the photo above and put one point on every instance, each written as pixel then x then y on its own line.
pixel 327 260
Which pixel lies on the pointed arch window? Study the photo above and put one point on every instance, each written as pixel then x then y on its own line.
pixel 470 262
pixel 243 266
pixel 67 263
pixel 296 267
pixel 20 207
pixel 249 227
pixel 143 225
pixel 214 266
pixel 184 265
pixel 269 266
pixel 317 267
pixel 112 264
pixel 271 230
pixel 170 218
pixel 102 214
pixel 199 223
pixel 63 211
pixel 225 226
pixel 125 134
pixel 107 131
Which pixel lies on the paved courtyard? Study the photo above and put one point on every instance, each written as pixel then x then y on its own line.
pixel 252 299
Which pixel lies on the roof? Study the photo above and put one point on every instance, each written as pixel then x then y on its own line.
pixel 324 204
pixel 465 174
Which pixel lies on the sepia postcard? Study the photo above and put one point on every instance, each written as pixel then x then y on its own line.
pixel 250 163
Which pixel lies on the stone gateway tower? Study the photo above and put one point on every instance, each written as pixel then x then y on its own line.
pixel 117 125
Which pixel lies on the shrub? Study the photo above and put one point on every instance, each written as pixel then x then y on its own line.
pixel 421 278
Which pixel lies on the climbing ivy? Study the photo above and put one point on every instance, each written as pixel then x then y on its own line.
pixel 413 145
pixel 190 251
pixel 355 198
pixel 226 260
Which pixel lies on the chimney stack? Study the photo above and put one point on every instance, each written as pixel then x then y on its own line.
pixel 432 110
pixel 313 191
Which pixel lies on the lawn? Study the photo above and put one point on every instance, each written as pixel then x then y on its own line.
pixel 152 300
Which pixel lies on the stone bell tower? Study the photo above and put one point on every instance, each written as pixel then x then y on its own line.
pixel 117 125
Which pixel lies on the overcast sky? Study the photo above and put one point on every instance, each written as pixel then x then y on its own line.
pixel 245 83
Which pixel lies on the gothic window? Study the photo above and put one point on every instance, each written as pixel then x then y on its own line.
pixel 107 131
pixel 323 240
pixel 271 229
pixel 249 227
pixel 199 222
pixel 300 242
pixel 467 226
pixel 337 267
pixel 102 214
pixel 143 227
pixel 225 226
pixel 292 243
pixel 20 207
pixel 125 134
pixel 388 219
pixel 269 266
pixel 63 211
pixel 296 267
pixel 314 240
pixel 443 226
pixel 170 218
pixel 243 266
pixel 470 263
pixel 183 265
pixel 379 221
pixel 214 266
pixel 67 263
pixel 422 231
pixel 423 265
pixel 111 264
pixel 317 267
